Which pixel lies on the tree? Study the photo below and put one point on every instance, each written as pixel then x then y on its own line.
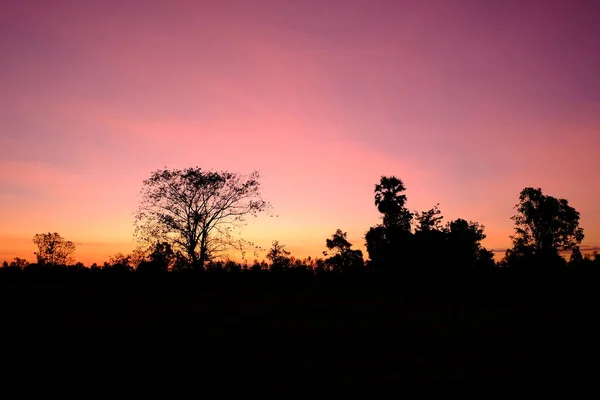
pixel 120 259
pixel 53 249
pixel 387 243
pixel 195 211
pixel 19 263
pixel 159 260
pixel 119 263
pixel 576 257
pixel 430 245
pixel 344 259
pixel 544 226
pixel 138 256
pixel 429 220
pixel 279 256
pixel 464 244
pixel 390 203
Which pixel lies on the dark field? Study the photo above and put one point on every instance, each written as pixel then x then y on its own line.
pixel 287 334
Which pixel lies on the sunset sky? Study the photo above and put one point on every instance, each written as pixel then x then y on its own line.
pixel 467 102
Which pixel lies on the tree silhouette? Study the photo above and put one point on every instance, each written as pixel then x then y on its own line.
pixel 160 259
pixel 464 245
pixel 279 256
pixel 544 226
pixel 576 256
pixel 344 259
pixel 390 203
pixel 119 263
pixel 430 245
pixel 429 220
pixel 19 263
pixel 53 249
pixel 387 243
pixel 195 211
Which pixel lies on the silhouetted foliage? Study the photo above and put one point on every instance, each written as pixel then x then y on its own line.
pixel 19 263
pixel 279 257
pixel 53 249
pixel 387 243
pixel 390 202
pixel 430 247
pixel 195 211
pixel 119 263
pixel 576 256
pixel 344 258
pixel 544 226
pixel 464 245
pixel 393 247
pixel 430 220
pixel 159 261
pixel 405 242
pixel 16 266
pixel 588 262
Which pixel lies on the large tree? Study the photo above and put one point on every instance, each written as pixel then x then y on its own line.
pixel 391 203
pixel 53 249
pixel 464 245
pixel 387 242
pixel 344 258
pixel 196 211
pixel 544 226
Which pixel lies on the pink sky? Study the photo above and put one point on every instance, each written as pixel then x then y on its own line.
pixel 467 101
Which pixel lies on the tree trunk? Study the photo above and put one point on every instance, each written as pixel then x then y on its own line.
pixel 203 251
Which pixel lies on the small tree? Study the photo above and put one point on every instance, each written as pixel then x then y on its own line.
pixel 160 259
pixel 279 256
pixel 53 249
pixel 195 211
pixel 344 259
pixel 429 246
pixel 19 263
pixel 430 220
pixel 119 262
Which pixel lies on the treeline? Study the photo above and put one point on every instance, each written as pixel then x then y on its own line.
pixel 292 266
pixel 186 218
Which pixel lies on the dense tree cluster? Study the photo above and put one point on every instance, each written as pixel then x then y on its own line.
pixel 411 239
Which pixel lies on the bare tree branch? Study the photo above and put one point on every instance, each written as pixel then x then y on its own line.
pixel 195 211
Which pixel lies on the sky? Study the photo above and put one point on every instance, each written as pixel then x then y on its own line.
pixel 468 102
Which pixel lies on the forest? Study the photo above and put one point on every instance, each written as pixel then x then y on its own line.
pixel 427 303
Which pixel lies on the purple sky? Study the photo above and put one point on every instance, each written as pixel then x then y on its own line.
pixel 467 101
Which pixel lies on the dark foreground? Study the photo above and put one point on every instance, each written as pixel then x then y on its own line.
pixel 266 335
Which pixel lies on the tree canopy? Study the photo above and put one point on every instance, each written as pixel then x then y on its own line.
pixel 344 259
pixel 391 203
pixel 53 249
pixel 544 226
pixel 195 211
